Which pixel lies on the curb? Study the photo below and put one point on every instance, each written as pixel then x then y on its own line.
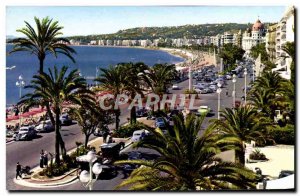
pixel 48 185
pixel 55 178
pixel 36 183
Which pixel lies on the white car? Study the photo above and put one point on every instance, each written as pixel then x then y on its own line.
pixel 25 133
pixel 175 87
pixel 45 126
pixel 138 135
pixel 213 87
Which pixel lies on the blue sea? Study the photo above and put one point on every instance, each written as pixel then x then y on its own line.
pixel 88 58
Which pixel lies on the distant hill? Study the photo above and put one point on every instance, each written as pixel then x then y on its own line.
pixel 188 31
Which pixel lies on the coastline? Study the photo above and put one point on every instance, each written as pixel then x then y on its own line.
pixel 185 55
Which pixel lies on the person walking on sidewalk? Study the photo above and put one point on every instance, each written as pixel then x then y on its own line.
pixel 45 159
pixel 42 159
pixel 18 171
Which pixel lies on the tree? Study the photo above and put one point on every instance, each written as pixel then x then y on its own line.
pixel 270 88
pixel 113 79
pixel 133 83
pixel 89 117
pixel 243 123
pixel 259 49
pixel 56 88
pixel 160 77
pixel 43 40
pixel 187 162
pixel 289 49
pixel 230 54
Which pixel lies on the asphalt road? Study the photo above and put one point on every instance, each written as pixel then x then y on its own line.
pixel 27 152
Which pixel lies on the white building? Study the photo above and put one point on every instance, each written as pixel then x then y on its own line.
pixel 254 37
pixel 284 33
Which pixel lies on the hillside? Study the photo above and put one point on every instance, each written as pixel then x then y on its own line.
pixel 188 31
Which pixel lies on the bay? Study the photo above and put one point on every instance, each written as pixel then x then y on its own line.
pixel 88 58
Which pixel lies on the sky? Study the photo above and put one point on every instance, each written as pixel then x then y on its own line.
pixel 100 20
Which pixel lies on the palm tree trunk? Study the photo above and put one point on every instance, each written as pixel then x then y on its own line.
pixel 133 115
pixel 41 59
pixel 62 144
pixel 117 113
pixel 57 138
pixel 240 155
pixel 87 136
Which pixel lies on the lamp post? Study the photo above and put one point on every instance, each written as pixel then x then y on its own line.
pixel 233 92
pixel 87 177
pixel 219 90
pixel 253 72
pixel 245 73
pixel 20 83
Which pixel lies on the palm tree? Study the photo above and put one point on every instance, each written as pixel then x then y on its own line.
pixel 43 40
pixel 133 83
pixel 160 77
pixel 56 88
pixel 187 161
pixel 243 123
pixel 268 90
pixel 113 80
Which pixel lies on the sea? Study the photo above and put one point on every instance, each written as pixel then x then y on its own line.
pixel 88 59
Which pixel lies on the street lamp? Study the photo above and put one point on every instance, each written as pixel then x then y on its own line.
pixel 233 92
pixel 253 72
pixel 219 90
pixel 87 177
pixel 245 73
pixel 20 83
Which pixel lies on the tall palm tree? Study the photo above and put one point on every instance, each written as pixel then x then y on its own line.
pixel 43 40
pixel 243 123
pixel 271 87
pixel 113 80
pixel 56 88
pixel 187 161
pixel 133 83
pixel 159 77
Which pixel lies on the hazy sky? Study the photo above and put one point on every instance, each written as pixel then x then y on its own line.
pixel 100 20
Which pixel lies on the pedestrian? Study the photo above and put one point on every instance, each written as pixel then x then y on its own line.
pixel 42 159
pixel 18 171
pixel 46 159
pixel 226 92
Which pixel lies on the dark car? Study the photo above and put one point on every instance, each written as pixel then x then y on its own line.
pixel 141 112
pixel 285 173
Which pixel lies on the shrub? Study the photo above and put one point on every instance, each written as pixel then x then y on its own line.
pixel 257 155
pixel 127 130
pixel 284 135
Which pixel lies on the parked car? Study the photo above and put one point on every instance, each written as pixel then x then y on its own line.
pixel 138 135
pixel 141 112
pixel 285 173
pixel 204 110
pixel 213 87
pixel 208 90
pixel 160 122
pixel 65 119
pixel 45 126
pixel 175 87
pixel 25 133
pixel 200 91
pixel 228 77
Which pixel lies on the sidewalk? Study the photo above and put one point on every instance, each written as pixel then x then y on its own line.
pixel 66 179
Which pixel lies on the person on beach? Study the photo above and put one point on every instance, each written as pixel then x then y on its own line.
pixel 42 159
pixel 18 171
